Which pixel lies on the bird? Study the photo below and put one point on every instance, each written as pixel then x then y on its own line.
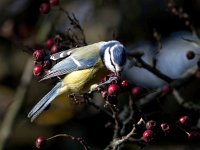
pixel 81 67
pixel 170 59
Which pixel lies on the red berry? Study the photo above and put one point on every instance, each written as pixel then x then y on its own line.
pixel 124 83
pixel 136 91
pixel 149 136
pixel 194 136
pixel 49 43
pixel 190 55
pixel 38 55
pixel 38 70
pixel 165 127
pixel 40 142
pixel 44 8
pixel 54 2
pixel 150 125
pixel 47 64
pixel 185 121
pixel 54 49
pixel 167 89
pixel 113 89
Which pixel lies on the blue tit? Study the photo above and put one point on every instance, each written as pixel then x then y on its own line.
pixel 82 68
pixel 171 59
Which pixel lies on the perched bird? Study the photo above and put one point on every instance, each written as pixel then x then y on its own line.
pixel 171 59
pixel 82 68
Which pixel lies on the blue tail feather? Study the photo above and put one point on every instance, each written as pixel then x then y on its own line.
pixel 44 102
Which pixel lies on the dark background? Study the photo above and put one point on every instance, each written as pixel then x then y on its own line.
pixel 21 24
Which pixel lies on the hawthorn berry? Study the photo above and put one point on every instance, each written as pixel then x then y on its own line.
pixel 185 121
pixel 150 125
pixel 54 2
pixel 165 127
pixel 38 55
pixel 124 83
pixel 40 142
pixel 49 43
pixel 167 89
pixel 194 136
pixel 38 70
pixel 113 89
pixel 54 49
pixel 190 55
pixel 149 136
pixel 44 8
pixel 136 91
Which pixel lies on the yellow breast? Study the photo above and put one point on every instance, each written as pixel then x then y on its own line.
pixel 80 81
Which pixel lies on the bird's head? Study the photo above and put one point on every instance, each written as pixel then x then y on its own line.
pixel 113 55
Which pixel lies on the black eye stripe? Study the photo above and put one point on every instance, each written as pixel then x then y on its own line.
pixel 109 51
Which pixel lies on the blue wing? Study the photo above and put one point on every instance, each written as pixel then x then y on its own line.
pixel 69 65
pixel 76 59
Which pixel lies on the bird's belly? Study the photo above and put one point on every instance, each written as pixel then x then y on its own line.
pixel 80 81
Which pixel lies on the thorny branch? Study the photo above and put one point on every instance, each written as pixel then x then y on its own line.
pixel 118 141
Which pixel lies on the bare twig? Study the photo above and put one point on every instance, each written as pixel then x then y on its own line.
pixel 153 70
pixel 118 141
pixel 74 21
pixel 79 140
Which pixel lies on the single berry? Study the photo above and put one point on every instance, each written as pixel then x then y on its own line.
pixel 150 125
pixel 185 121
pixel 165 127
pixel 149 136
pixel 113 89
pixel 38 70
pixel 136 91
pixel 49 43
pixel 167 89
pixel 190 55
pixel 194 136
pixel 124 83
pixel 44 8
pixel 47 64
pixel 38 55
pixel 40 142
pixel 54 2
pixel 54 49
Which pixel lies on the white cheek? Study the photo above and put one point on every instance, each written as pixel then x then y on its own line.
pixel 107 61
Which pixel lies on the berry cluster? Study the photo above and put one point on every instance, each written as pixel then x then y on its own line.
pixel 42 56
pixel 46 7
pixel 111 91
pixel 181 130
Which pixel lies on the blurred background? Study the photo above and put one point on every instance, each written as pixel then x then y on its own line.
pixel 22 25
